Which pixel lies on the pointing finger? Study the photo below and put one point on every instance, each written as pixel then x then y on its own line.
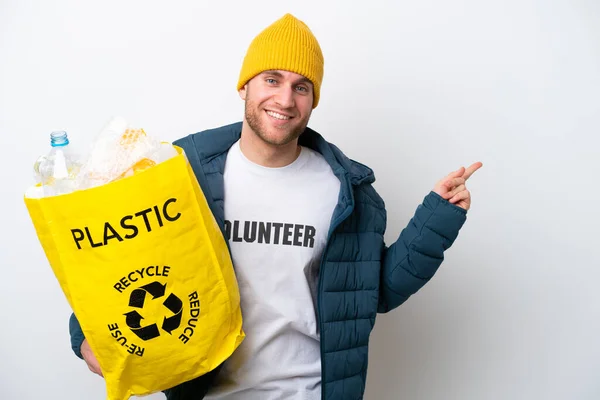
pixel 471 170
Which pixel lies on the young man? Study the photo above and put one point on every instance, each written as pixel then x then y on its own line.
pixel 305 229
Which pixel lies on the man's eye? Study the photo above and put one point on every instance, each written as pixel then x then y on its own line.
pixel 271 81
pixel 301 88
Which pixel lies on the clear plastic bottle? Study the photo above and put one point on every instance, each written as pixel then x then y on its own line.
pixel 57 170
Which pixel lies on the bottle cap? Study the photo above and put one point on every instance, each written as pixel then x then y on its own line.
pixel 59 138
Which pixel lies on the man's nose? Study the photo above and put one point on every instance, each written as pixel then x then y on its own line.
pixel 285 97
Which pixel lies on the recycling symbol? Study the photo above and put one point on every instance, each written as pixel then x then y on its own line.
pixel 137 300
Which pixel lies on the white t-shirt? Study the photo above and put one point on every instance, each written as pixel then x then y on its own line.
pixel 277 220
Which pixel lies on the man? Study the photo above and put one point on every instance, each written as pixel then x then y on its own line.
pixel 305 229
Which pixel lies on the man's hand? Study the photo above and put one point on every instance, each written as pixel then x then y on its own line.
pixel 453 187
pixel 90 358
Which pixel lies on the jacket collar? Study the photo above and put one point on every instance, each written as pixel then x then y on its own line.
pixel 218 141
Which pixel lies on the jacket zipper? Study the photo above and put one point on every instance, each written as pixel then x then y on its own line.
pixel 334 226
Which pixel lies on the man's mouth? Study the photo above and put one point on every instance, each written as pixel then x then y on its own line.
pixel 278 116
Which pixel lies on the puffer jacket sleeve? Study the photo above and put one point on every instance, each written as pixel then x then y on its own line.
pixel 76 335
pixel 414 258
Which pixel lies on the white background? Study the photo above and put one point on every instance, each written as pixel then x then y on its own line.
pixel 414 89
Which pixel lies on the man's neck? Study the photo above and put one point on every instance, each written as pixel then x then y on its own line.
pixel 268 155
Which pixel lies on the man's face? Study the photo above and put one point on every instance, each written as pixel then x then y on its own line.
pixel 278 105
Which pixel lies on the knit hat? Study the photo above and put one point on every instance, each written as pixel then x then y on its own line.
pixel 289 45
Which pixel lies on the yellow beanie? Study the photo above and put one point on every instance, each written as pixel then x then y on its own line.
pixel 289 45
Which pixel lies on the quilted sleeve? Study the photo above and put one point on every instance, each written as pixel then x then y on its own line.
pixel 414 258
pixel 76 335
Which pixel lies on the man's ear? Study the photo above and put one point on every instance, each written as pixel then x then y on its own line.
pixel 243 91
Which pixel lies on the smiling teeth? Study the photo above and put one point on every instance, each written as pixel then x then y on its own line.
pixel 278 116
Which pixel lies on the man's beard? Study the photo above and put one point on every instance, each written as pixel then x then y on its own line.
pixel 252 113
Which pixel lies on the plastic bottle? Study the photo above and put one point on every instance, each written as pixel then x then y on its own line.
pixel 57 170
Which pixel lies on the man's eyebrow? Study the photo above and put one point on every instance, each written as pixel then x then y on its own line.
pixel 273 72
pixel 304 80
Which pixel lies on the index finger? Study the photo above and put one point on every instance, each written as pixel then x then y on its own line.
pixel 471 170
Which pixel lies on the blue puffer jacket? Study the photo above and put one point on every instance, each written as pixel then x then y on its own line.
pixel 359 275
